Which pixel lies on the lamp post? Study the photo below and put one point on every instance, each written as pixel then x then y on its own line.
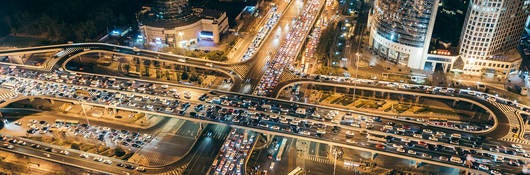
pixel 84 111
pixel 335 154
pixel 180 37
pixel 356 74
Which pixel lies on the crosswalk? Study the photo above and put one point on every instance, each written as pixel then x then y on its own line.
pixel 509 111
pixel 241 69
pixel 515 140
pixel 514 121
pixel 318 159
pixel 68 51
pixel 177 171
pixel 52 62
pixel 6 94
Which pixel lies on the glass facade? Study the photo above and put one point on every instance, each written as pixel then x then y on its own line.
pixel 170 9
pixel 492 28
pixel 403 21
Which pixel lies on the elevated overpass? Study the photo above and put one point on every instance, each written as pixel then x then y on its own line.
pixel 501 120
pixel 325 140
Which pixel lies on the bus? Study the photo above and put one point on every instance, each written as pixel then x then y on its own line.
pixel 296 171
pixel 281 149
pixel 376 137
pixel 8 85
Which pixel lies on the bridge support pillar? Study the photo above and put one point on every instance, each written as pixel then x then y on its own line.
pixel 51 101
pixel 388 95
pixel 417 99
pixel 362 92
pixel 373 94
pixel 417 164
pixel 31 99
pixel 373 156
pixel 454 103
pixel 471 106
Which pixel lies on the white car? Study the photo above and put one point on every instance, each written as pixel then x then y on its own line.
pixel 84 155
pixel 411 151
pixel 107 161
pixel 483 167
pixel 350 141
pixel 400 150
pixel 428 156
pixel 455 159
pixel 397 146
pixel 517 146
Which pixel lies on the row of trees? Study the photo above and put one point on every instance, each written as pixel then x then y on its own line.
pixel 64 20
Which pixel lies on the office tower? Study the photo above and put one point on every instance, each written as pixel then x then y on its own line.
pixel 490 35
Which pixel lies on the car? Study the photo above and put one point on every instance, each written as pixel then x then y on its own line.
pixel 411 151
pixel 379 146
pixel 351 141
pixel 483 167
pixel 64 152
pixel 428 156
pixel 495 172
pixel 401 150
pixel 129 166
pixel 517 146
pixel 140 169
pixel 84 155
pixel 107 161
pixel 443 158
pixel 98 159
pixel 456 135
pixel 397 146
pixel 456 159
pixel 514 163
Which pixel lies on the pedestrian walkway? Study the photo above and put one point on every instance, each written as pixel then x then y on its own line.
pixel 6 94
pixel 318 159
pixel 514 121
pixel 241 69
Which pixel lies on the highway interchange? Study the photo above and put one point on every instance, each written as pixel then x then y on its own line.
pixel 408 139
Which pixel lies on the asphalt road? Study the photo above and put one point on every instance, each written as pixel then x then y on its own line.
pixel 268 48
pixel 202 155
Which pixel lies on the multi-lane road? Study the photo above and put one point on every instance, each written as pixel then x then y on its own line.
pixel 374 133
pixel 249 122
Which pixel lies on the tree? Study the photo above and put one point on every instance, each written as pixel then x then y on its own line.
pixel 119 152
pixel 184 75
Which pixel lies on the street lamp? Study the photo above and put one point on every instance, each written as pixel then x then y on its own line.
pixel 356 73
pixel 84 111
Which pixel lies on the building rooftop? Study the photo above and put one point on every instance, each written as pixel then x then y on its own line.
pixel 508 56
pixel 149 19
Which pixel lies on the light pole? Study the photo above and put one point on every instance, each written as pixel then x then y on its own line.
pixel 356 74
pixel 84 112
pixel 335 154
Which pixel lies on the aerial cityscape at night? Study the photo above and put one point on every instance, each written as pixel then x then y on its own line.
pixel 264 87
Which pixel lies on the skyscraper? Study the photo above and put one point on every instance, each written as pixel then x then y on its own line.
pixel 490 35
pixel 401 30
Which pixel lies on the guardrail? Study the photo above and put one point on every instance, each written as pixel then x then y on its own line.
pixel 496 122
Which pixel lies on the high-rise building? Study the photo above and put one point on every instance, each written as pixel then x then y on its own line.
pixel 490 35
pixel 175 23
pixel 400 30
